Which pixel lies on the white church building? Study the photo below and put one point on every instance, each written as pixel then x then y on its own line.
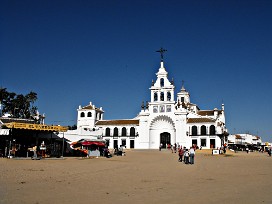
pixel 165 119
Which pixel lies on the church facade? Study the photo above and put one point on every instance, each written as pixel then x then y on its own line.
pixel 165 119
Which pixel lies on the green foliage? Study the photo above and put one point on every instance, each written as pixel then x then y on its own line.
pixel 74 127
pixel 18 105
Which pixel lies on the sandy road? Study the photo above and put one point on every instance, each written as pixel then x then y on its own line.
pixel 142 176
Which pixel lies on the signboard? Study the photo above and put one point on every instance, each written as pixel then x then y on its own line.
pixel 215 151
pixel 54 128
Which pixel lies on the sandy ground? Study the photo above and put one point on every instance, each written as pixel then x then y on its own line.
pixel 142 176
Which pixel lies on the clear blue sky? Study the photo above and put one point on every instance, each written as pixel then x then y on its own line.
pixel 73 52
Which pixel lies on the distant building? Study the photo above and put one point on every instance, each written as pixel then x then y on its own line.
pixel 163 120
pixel 87 117
pixel 244 139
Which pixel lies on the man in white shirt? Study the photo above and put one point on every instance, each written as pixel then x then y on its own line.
pixel 192 155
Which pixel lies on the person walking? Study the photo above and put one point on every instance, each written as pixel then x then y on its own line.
pixel 192 155
pixel 269 152
pixel 247 150
pixel 181 153
pixel 35 156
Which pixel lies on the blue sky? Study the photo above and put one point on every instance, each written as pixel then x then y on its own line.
pixel 73 52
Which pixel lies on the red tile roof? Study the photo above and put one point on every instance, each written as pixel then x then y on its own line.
pixel 200 120
pixel 208 112
pixel 205 112
pixel 118 122
pixel 90 107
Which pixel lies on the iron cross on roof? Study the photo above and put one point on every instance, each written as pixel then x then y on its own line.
pixel 161 51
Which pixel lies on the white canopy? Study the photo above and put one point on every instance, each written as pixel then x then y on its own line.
pixel 4 131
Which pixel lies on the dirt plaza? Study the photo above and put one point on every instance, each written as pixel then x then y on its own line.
pixel 142 176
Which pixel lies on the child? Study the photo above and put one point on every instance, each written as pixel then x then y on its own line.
pixel 186 156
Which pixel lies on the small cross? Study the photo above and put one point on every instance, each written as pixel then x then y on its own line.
pixel 182 84
pixel 161 51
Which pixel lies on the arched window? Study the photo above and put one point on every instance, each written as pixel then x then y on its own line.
pixel 162 96
pixel 115 131
pixel 82 114
pixel 132 131
pixel 107 131
pixel 168 96
pixel 124 131
pixel 212 130
pixel 194 130
pixel 203 130
pixel 155 96
pixel 162 82
pixel 89 114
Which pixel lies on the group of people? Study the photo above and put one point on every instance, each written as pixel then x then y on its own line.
pixel 187 155
pixel 173 148
pixel 120 151
pixel 106 152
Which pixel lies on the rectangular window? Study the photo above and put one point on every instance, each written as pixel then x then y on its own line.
pixel 155 109
pixel 131 144
pixel 182 99
pixel 194 142
pixel 203 142
pixel 212 143
pixel 162 109
pixel 115 144
pixel 168 108
pixel 124 142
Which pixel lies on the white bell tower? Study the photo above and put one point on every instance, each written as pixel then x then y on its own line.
pixel 162 91
pixel 88 115
pixel 183 96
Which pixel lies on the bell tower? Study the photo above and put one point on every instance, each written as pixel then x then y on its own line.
pixel 183 96
pixel 162 91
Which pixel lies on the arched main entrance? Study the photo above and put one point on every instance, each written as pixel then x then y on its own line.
pixel 165 138
pixel 162 130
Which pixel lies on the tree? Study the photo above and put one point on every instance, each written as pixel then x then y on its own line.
pixel 19 106
pixel 6 100
pixel 31 98
pixel 74 127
